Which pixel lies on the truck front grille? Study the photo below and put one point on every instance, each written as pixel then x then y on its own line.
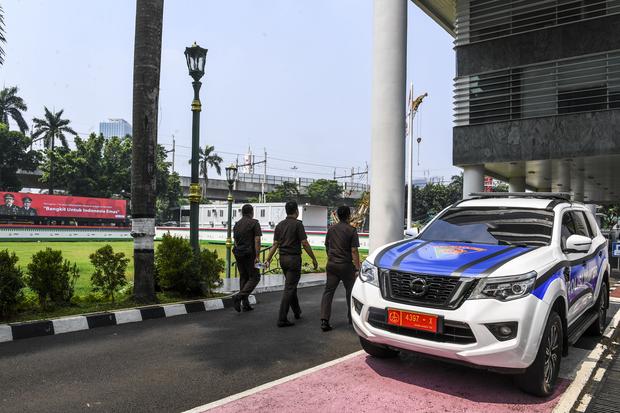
pixel 441 291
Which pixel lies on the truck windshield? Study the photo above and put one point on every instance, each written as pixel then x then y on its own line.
pixel 496 226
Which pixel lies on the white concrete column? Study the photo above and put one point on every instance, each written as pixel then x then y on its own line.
pixel 516 184
pixel 473 179
pixel 560 181
pixel 387 196
pixel 577 184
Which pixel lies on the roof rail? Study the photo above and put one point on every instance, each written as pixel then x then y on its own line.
pixel 544 195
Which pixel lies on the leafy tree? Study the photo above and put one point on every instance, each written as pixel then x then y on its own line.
pixel 12 106
pixel 500 187
pixel 611 215
pixel 146 74
pixel 97 166
pixel 101 167
pixel 52 127
pixel 169 199
pixel 434 197
pixel 15 154
pixel 11 282
pixel 110 267
pixel 208 159
pixel 286 191
pixel 325 192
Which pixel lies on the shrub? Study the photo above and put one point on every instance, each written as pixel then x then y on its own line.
pixel 11 283
pixel 176 268
pixel 210 268
pixel 109 275
pixel 51 278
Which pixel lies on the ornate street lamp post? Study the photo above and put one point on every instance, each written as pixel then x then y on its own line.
pixel 196 58
pixel 231 177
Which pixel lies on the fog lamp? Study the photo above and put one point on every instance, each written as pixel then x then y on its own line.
pixel 503 331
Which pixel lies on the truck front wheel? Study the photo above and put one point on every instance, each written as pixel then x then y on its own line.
pixel 540 378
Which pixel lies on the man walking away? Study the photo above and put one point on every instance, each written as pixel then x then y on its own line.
pixel 343 262
pixel 289 236
pixel 246 233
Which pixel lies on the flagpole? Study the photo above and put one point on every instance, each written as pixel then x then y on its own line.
pixel 410 160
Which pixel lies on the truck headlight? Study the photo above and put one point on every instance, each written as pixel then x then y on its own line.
pixel 505 288
pixel 369 274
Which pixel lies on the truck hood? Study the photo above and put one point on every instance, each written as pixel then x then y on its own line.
pixel 447 258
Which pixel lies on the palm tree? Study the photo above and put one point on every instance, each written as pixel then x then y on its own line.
pixel 146 74
pixel 208 159
pixel 49 129
pixel 2 38
pixel 12 106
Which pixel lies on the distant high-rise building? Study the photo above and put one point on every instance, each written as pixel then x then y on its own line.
pixel 248 162
pixel 115 127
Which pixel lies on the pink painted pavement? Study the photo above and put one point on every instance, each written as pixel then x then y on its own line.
pixel 365 384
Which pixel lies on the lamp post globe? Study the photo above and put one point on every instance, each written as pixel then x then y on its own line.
pixel 196 58
pixel 231 177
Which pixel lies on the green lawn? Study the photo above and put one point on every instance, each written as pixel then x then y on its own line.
pixel 85 302
pixel 79 252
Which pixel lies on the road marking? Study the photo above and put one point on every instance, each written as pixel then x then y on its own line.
pixel 271 384
pixel 570 397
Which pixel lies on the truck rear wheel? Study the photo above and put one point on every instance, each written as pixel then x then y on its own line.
pixel 376 350
pixel 540 378
pixel 598 327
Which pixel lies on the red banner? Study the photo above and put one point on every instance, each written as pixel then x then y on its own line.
pixel 32 205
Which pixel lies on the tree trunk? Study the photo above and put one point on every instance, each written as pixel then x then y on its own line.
pixel 146 71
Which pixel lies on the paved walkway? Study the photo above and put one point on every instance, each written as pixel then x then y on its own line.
pixel 365 384
pixel 358 383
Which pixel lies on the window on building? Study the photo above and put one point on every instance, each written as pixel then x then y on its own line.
pixel 581 85
pixel 221 212
pixel 613 82
pixel 208 213
pixel 489 99
pixel 262 213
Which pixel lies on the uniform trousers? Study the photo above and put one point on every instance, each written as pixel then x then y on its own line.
pixel 337 272
pixel 291 266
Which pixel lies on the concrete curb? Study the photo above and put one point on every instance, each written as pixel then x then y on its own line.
pixel 18 331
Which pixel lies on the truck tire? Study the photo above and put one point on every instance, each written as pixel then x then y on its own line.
pixel 598 327
pixel 377 350
pixel 540 378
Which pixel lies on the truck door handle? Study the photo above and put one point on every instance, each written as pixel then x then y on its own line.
pixel 600 253
pixel 567 274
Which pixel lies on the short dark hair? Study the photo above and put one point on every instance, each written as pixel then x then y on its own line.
pixel 290 207
pixel 344 213
pixel 247 210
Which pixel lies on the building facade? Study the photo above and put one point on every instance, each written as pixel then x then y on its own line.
pixel 537 98
pixel 115 127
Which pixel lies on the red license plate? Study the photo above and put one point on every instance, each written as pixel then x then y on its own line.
pixel 417 321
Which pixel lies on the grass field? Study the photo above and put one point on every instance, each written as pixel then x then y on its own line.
pixel 78 252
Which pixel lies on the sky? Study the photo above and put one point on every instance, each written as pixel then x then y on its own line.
pixel 290 76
